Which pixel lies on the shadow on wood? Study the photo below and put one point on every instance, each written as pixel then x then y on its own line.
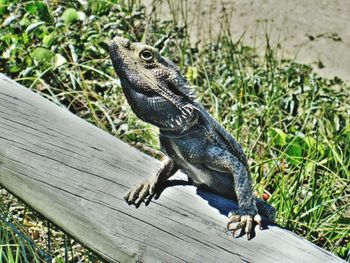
pixel 76 175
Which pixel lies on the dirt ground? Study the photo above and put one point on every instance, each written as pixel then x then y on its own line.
pixel 314 32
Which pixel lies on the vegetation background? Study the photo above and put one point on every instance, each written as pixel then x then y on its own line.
pixel 293 124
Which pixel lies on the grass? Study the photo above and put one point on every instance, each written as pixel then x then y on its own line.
pixel 14 245
pixel 293 124
pixel 28 237
pixel 15 248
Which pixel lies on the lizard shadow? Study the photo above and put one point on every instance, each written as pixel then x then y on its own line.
pixel 220 203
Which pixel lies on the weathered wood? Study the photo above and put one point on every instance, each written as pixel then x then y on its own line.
pixel 76 175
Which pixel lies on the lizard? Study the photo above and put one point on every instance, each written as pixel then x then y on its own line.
pixel 191 139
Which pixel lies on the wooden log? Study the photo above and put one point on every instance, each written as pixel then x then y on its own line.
pixel 76 175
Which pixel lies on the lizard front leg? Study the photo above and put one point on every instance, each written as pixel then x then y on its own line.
pixel 247 212
pixel 222 160
pixel 148 187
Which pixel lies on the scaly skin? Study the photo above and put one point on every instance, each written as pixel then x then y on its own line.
pixel 193 141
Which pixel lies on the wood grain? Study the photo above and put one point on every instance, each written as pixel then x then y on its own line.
pixel 76 175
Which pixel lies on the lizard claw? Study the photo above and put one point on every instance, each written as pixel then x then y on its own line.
pixel 239 220
pixel 137 195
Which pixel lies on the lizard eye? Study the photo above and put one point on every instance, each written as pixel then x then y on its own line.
pixel 146 55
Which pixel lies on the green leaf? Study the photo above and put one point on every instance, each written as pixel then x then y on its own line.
pixel 310 142
pixel 295 150
pixel 277 136
pixel 3 6
pixel 99 8
pixel 39 9
pixel 70 15
pixel 49 39
pixel 32 27
pixel 59 260
pixel 192 73
pixel 59 60
pixel 42 54
pixel 14 69
pixel 9 19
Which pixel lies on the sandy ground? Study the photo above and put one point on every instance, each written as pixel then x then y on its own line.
pixel 314 32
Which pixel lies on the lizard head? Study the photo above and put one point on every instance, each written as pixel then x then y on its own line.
pixel 153 85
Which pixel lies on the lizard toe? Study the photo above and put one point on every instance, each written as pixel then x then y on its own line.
pixel 241 219
pixel 248 225
pixel 143 194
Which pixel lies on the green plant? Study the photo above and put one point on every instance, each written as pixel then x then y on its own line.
pixel 293 124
